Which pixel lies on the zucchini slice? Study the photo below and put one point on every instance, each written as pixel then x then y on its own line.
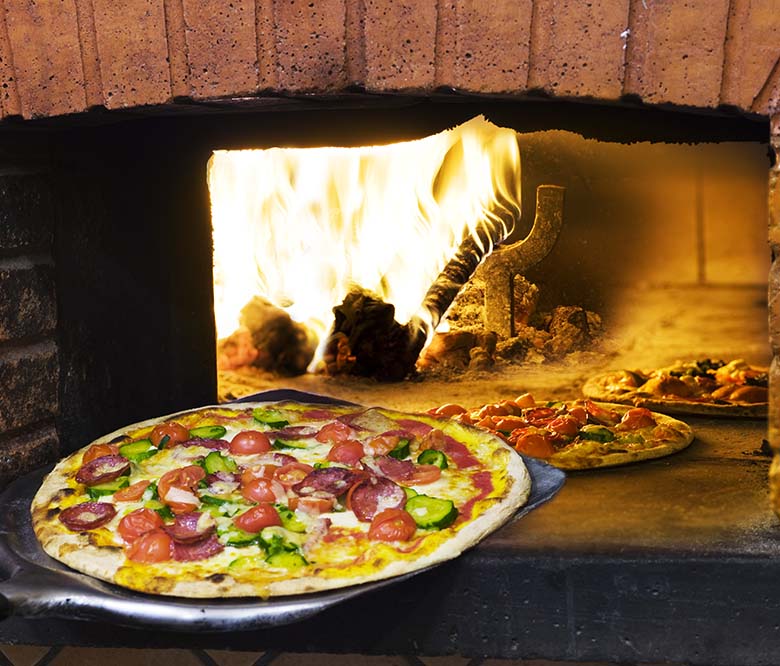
pixel 208 432
pixel 431 513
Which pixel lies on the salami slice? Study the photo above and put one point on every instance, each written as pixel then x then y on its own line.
pixel 283 459
pixel 213 444
pixel 191 527
pixel 330 481
pixel 375 495
pixel 87 516
pixel 293 432
pixel 102 470
pixel 200 550
pixel 397 470
pixel 417 427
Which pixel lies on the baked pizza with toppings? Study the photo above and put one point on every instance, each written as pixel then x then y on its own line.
pixel 706 387
pixel 578 434
pixel 269 499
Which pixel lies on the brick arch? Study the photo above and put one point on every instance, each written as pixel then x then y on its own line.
pixel 66 56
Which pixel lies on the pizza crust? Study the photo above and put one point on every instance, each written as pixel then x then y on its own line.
pixel 93 554
pixel 604 387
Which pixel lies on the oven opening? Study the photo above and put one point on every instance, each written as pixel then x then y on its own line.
pixel 340 270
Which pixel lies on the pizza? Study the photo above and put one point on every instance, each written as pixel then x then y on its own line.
pixel 270 499
pixel 578 434
pixel 705 387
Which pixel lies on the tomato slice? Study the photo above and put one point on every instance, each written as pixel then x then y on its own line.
pixel 334 432
pixel 249 441
pixel 175 432
pixel 564 425
pixel 312 505
pixel 184 478
pixel 138 522
pixel 449 409
pixel 154 546
pixel 258 490
pixel 256 518
pixel 98 451
pixel 348 453
pixel 291 473
pixel 392 525
pixel 132 493
pixel 635 418
pixel 534 445
pixel 423 474
pixel 258 472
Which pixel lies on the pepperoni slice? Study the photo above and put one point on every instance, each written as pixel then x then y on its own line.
pixel 397 470
pixel 191 527
pixel 87 516
pixel 373 496
pixel 200 550
pixel 318 414
pixel 333 481
pixel 102 470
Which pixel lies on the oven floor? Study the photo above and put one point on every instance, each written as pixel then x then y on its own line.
pixel 649 327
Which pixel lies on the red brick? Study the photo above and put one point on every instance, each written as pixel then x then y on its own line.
pixel 355 48
pixel 752 48
pixel 89 53
pixel 133 52
pixel 177 48
pixel 9 95
pixel 25 452
pixel 310 44
pixel 400 38
pixel 221 47
pixel 578 48
pixel 675 51
pixel 266 45
pixel 767 101
pixel 46 53
pixel 468 34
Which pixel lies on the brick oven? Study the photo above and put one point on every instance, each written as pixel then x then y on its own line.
pixel 110 113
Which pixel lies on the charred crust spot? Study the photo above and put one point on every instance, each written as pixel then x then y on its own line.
pixel 52 513
pixel 120 438
pixel 216 578
pixel 62 493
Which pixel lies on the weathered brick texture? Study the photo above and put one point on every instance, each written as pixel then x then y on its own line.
pixel 46 53
pixel 65 56
pixel 133 51
pixel 27 300
pixel 221 47
pixel 310 45
pixel 29 376
pixel 25 452
pixel 578 48
pixel 25 213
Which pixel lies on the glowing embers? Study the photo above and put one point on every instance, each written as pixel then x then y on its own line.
pixel 297 230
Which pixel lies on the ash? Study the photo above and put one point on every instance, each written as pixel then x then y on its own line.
pixel 540 336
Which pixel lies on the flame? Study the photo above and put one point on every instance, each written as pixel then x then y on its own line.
pixel 300 226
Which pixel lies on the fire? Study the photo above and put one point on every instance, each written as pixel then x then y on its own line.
pixel 300 226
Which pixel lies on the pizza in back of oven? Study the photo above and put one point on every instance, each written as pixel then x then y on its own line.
pixel 271 499
pixel 577 434
pixel 706 387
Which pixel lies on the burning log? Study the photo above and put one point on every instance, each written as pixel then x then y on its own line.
pixel 367 341
pixel 268 339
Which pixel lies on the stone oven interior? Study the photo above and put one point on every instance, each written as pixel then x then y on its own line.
pixel 664 237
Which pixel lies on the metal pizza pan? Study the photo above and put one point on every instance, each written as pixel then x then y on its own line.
pixel 35 585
